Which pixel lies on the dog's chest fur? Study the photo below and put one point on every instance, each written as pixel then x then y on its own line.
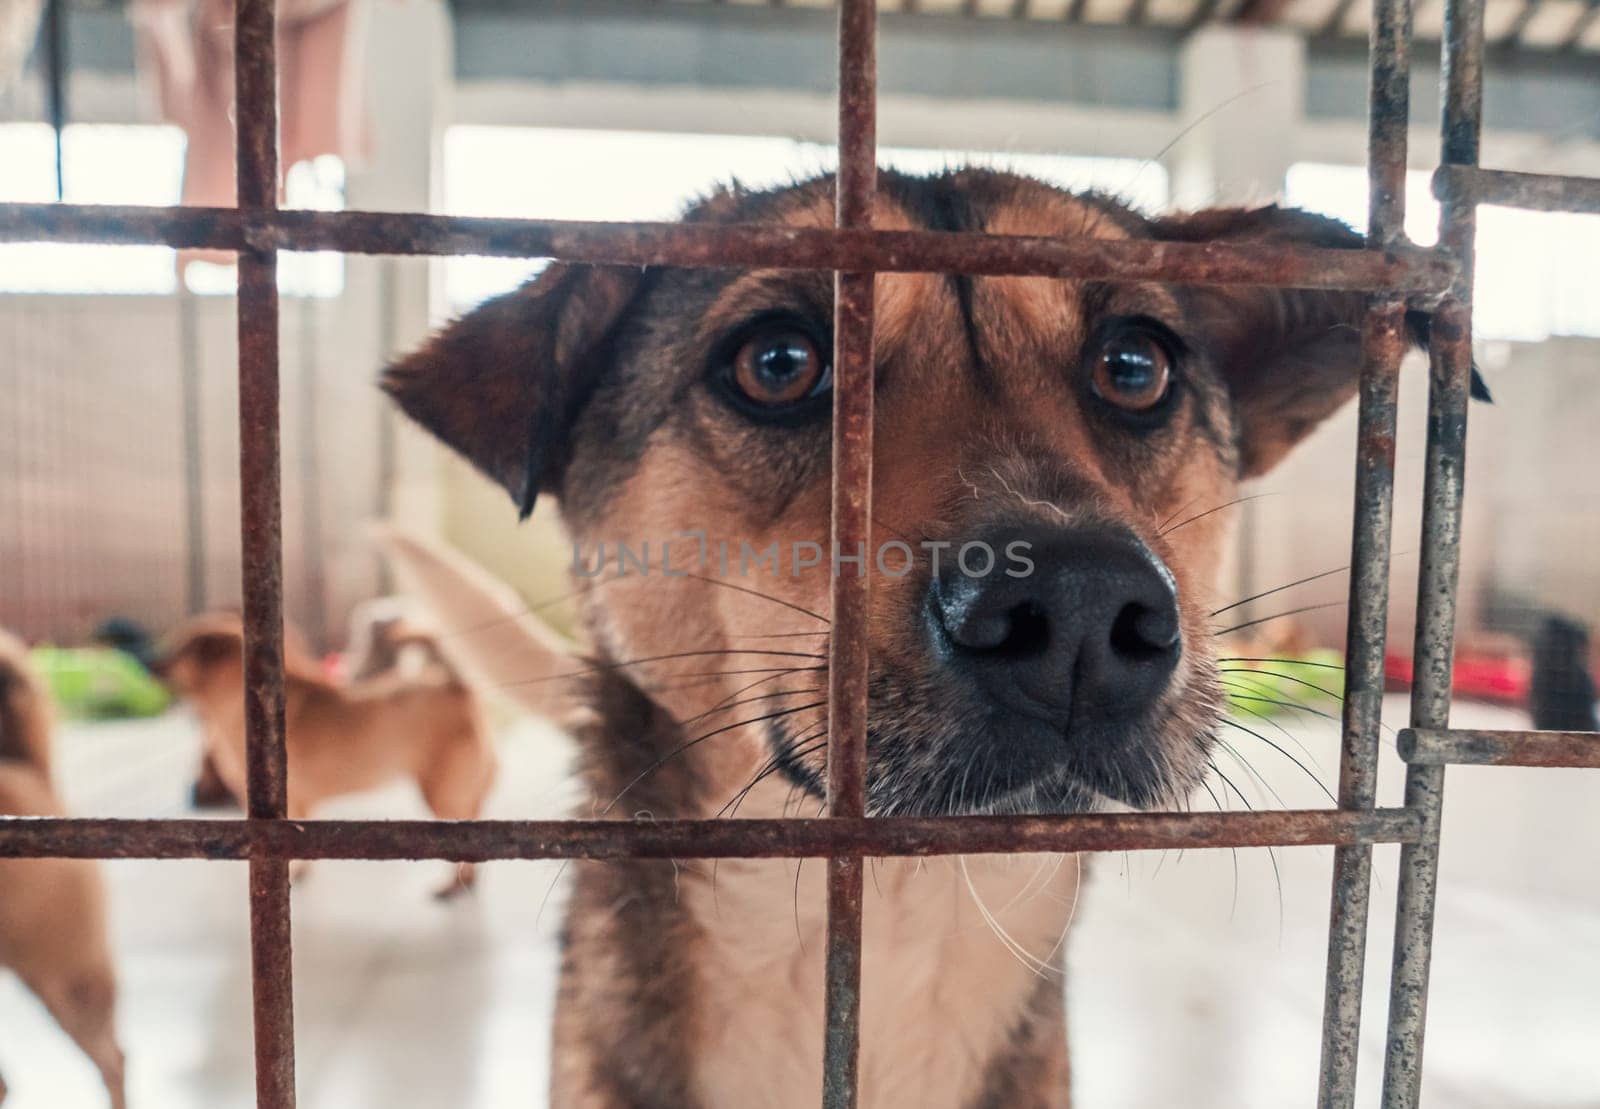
pixel 700 984
pixel 943 994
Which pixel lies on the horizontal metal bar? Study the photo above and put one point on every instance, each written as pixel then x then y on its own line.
pixel 1542 192
pixel 1401 269
pixel 482 840
pixel 1444 746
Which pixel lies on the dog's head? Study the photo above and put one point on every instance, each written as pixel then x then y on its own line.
pixel 1050 460
pixel 203 659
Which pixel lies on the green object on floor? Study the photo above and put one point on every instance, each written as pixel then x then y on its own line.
pixel 99 682
pixel 1313 683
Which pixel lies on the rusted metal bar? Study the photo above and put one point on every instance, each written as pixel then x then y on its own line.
pixel 261 548
pixel 260 506
pixel 1461 126
pixel 853 373
pixel 1430 699
pixel 1541 192
pixel 1411 270
pixel 486 840
pixel 1384 343
pixel 1446 746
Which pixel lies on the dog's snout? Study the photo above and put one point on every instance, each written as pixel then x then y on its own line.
pixel 1082 625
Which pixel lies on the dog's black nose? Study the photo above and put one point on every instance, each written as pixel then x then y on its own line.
pixel 1067 623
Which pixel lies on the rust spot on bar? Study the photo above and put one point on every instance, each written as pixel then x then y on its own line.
pixel 1445 746
pixel 485 840
pixel 1400 268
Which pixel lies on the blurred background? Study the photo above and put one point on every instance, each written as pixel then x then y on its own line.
pixel 119 489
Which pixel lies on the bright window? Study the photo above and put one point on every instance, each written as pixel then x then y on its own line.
pixel 1536 271
pixel 136 164
pixel 553 173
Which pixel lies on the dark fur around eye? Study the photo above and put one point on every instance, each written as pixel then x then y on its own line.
pixel 723 371
pixel 1132 330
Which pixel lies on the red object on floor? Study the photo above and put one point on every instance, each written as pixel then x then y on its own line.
pixel 1498 680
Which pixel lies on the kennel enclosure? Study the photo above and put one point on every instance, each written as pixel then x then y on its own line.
pixel 1398 277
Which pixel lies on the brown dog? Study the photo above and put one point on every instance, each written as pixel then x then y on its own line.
pixel 52 911
pixel 1084 434
pixel 426 727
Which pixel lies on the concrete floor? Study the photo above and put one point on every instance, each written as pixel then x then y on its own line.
pixel 1187 988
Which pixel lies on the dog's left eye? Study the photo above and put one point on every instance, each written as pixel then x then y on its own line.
pixel 1132 370
pixel 778 367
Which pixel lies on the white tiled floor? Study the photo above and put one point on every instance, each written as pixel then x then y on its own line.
pixel 1182 993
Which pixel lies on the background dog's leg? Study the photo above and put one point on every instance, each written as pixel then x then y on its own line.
pixel 209 790
pixel 84 1008
pixel 455 788
pixel 2 1089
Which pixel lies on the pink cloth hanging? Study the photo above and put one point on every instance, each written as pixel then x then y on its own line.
pixel 186 46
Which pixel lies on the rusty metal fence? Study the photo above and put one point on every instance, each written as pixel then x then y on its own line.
pixel 1396 274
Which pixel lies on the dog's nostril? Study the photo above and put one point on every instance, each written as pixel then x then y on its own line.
pixel 1029 632
pixel 1141 632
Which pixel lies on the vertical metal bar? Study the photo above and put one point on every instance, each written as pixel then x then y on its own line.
pixel 1441 561
pixel 1430 700
pixel 852 530
pixel 261 527
pixel 1383 345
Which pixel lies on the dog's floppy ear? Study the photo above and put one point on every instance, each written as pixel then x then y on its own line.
pixel 501 384
pixel 1291 357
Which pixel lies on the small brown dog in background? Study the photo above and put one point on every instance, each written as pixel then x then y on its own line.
pixel 425 725
pixel 52 911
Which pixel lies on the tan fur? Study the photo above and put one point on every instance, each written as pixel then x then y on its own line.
pixel 341 739
pixel 52 911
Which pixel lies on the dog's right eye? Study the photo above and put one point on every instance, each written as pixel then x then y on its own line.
pixel 776 368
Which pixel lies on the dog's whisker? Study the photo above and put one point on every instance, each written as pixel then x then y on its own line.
pixel 1287 734
pixel 799 935
pixel 805 745
pixel 1278 616
pixel 1328 693
pixel 1164 532
pixel 1288 661
pixel 783 635
pixel 609 667
pixel 757 593
pixel 1264 788
pixel 1279 589
pixel 681 748
pixel 1023 956
pixel 1304 769
pixel 742 690
pixel 715 710
pixel 1272 855
pixel 1233 906
pixel 1292 706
